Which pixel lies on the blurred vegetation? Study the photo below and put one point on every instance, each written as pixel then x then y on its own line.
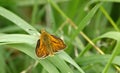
pixel 90 29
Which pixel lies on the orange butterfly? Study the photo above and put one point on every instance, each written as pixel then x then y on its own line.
pixel 48 44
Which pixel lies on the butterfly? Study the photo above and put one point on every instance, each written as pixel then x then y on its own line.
pixel 48 44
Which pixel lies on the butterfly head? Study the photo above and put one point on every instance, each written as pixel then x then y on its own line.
pixel 42 31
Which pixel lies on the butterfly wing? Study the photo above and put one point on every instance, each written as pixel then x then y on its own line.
pixel 41 50
pixel 57 43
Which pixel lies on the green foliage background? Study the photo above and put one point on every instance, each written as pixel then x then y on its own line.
pixel 90 29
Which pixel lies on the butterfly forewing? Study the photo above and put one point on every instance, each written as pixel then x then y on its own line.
pixel 41 50
pixel 57 43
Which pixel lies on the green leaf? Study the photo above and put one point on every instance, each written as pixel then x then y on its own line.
pixel 30 50
pixel 97 59
pixel 68 59
pixel 17 38
pixel 106 0
pixel 113 35
pixel 31 2
pixel 85 20
pixel 18 21
pixel 59 63
pixel 2 60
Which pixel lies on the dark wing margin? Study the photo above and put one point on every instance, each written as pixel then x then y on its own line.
pixel 38 45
